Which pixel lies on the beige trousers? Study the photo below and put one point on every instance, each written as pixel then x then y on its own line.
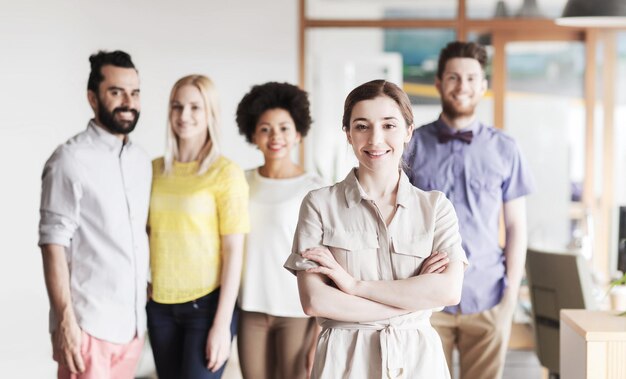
pixel 272 347
pixel 481 338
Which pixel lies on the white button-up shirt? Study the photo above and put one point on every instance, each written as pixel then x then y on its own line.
pixel 94 201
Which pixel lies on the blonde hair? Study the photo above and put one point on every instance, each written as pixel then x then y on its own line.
pixel 211 149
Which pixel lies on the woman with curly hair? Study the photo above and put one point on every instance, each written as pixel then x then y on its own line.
pixel 276 339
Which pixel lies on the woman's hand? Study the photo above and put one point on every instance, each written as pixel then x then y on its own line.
pixel 217 347
pixel 328 266
pixel 436 263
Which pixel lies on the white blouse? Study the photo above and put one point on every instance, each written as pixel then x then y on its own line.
pixel 274 204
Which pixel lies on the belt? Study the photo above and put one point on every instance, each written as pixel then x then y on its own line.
pixel 390 339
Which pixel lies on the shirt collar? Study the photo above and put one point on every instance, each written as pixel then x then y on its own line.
pixel 440 123
pixel 405 190
pixel 103 136
pixel 354 192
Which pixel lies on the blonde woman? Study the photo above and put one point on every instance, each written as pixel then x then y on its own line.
pixel 198 218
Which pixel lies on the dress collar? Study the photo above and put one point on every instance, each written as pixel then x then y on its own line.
pixel 473 127
pixel 355 193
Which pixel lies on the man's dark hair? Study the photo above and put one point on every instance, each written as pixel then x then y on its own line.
pixel 459 49
pixel 102 58
pixel 273 95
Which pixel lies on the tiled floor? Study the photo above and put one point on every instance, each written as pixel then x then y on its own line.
pixel 520 364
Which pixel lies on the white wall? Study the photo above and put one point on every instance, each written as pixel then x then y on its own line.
pixel 44 49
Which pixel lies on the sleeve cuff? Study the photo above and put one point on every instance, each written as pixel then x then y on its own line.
pixel 296 263
pixel 456 253
pixel 45 239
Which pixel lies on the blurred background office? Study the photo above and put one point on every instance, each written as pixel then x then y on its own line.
pixel 560 91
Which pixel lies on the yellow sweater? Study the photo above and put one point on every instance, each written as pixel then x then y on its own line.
pixel 188 214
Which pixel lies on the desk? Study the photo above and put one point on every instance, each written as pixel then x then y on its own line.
pixel 593 344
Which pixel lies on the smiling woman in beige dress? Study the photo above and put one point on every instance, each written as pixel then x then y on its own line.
pixel 374 255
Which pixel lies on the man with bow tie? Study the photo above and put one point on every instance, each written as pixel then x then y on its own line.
pixel 481 170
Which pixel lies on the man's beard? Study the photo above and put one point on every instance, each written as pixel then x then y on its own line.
pixel 453 112
pixel 117 127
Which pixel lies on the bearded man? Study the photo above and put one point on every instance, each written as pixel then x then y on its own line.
pixel 481 170
pixel 92 231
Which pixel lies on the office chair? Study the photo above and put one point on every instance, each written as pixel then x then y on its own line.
pixel 556 281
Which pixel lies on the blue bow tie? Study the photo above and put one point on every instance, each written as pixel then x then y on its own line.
pixel 444 135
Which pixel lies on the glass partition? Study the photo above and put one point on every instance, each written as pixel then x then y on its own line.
pixel 381 9
pixel 487 9
pixel 620 121
pixel 617 243
pixel 339 59
pixel 545 113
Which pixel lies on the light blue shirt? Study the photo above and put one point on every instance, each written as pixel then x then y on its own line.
pixel 477 178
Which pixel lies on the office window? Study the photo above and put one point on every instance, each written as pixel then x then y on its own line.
pixel 486 9
pixel 419 50
pixel 545 112
pixel 620 121
pixel 339 59
pixel 380 9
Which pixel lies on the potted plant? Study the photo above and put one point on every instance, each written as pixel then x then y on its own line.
pixel 617 291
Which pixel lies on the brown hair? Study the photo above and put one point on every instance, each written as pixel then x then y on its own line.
pixel 459 49
pixel 372 90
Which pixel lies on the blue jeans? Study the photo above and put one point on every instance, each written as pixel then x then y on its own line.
pixel 178 334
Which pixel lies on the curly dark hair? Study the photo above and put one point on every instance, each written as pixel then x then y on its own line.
pixel 273 95
pixel 116 58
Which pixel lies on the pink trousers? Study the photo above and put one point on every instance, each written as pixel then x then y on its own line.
pixel 104 359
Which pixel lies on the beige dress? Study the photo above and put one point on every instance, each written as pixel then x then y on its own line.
pixel 342 218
